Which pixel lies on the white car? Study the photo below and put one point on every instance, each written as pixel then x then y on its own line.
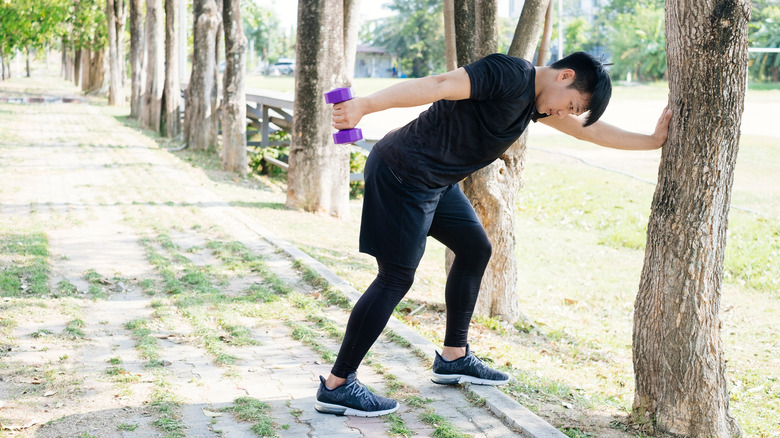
pixel 282 67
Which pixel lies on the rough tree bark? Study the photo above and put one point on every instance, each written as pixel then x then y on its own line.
pixel 449 35
pixel 351 27
pixel 116 16
pixel 678 353
pixel 66 71
pixel 77 67
pixel 234 157
pixel 493 190
pixel 137 77
pixel 541 58
pixel 151 106
pixel 171 123
pixel 318 177
pixel 200 115
pixel 94 74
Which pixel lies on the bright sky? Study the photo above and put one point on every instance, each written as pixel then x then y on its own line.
pixel 287 10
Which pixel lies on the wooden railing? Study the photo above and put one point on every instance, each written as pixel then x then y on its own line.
pixel 269 111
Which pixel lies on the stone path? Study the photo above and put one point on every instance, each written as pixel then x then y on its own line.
pixel 111 351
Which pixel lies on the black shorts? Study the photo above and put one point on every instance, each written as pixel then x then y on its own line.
pixel 398 217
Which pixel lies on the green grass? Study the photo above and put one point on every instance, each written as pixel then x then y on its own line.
pixel 25 261
pixel 443 428
pixel 73 329
pixel 254 411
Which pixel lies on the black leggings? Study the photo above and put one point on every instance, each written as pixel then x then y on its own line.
pixel 372 311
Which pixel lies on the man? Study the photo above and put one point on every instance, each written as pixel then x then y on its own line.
pixel 411 192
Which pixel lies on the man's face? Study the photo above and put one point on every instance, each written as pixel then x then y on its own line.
pixel 560 100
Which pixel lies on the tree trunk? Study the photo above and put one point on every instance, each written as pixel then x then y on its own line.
pixel 115 16
pixel 151 106
pixel 450 54
pixel 318 177
pixel 66 70
pixel 171 124
pixel 493 190
pixel 351 27
pixel 234 102
pixel 216 94
pixel 27 61
pixel 96 80
pixel 77 67
pixel 541 58
pixel 137 77
pixel 678 353
pixel 200 115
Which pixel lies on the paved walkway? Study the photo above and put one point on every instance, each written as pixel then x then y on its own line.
pixel 123 220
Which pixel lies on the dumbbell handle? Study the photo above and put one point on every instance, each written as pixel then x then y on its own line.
pixel 345 135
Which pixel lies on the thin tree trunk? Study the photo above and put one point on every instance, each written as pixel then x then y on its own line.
pixel 172 91
pixel 200 116
pixel 115 15
pixel 77 67
pixel 493 190
pixel 27 61
pixel 541 58
pixel 450 54
pixel 678 353
pixel 96 82
pixel 234 157
pixel 86 55
pixel 155 65
pixel 137 76
pixel 318 177
pixel 351 26
pixel 216 95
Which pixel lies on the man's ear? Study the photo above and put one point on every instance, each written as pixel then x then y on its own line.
pixel 566 74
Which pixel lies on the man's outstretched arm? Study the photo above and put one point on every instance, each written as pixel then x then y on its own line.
pixel 604 134
pixel 454 85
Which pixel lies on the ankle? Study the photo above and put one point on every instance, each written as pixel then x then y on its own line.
pixel 453 353
pixel 333 382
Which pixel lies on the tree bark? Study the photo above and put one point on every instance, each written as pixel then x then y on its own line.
pixel 318 177
pixel 67 61
pixel 678 353
pixel 450 52
pixel 351 27
pixel 200 115
pixel 234 157
pixel 93 71
pixel 116 17
pixel 151 107
pixel 493 190
pixel 541 57
pixel 137 76
pixel 27 61
pixel 77 67
pixel 171 123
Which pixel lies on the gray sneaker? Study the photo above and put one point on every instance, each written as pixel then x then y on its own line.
pixel 468 368
pixel 352 398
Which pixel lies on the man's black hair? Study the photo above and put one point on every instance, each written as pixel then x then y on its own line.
pixel 590 77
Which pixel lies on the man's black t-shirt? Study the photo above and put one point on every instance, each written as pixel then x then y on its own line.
pixel 453 139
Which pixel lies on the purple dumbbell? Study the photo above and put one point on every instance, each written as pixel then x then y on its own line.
pixel 345 135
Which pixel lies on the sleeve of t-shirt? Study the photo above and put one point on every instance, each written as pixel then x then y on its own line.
pixel 498 76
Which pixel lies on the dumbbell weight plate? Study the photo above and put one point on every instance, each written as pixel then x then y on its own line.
pixel 338 95
pixel 347 136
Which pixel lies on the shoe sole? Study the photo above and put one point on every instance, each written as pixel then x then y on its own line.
pixel 454 379
pixel 328 408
